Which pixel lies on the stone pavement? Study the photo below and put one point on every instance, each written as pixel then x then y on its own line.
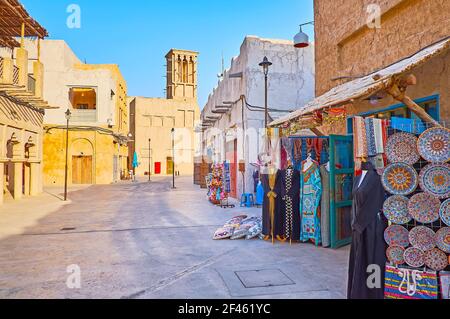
pixel 145 240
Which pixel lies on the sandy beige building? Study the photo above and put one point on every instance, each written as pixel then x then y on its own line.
pixel 152 120
pixel 22 107
pixel 95 95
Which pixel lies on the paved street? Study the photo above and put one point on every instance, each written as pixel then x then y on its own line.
pixel 141 240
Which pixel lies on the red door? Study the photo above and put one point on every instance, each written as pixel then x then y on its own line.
pixel 232 159
pixel 157 168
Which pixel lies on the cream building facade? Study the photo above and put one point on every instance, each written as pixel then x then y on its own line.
pixel 95 95
pixel 152 120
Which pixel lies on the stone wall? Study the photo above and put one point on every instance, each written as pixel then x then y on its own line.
pixel 345 46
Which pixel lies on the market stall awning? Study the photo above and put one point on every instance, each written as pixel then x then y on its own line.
pixel 12 16
pixel 368 85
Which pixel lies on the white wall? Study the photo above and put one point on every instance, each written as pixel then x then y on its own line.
pixel 60 75
pixel 291 86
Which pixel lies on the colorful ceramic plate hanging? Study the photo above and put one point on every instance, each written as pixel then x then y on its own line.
pixel 436 259
pixel 434 145
pixel 395 254
pixel 402 147
pixel 423 238
pixel 414 257
pixel 435 179
pixel 395 209
pixel 396 235
pixel 400 179
pixel 444 212
pixel 424 208
pixel 443 239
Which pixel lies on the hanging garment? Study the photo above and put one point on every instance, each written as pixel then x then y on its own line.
pixel 325 206
pixel 255 180
pixel 284 158
pixel 324 155
pixel 368 225
pixel 290 203
pixel 259 194
pixel 272 222
pixel 370 132
pixel 360 141
pixel 311 195
pixel 378 133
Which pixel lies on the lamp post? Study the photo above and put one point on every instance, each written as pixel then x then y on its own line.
pixel 68 115
pixel 265 64
pixel 149 159
pixel 173 158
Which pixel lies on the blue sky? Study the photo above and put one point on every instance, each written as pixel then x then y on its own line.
pixel 136 34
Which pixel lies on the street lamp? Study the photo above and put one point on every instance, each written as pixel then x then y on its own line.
pixel 149 159
pixel 301 39
pixel 68 115
pixel 173 158
pixel 265 64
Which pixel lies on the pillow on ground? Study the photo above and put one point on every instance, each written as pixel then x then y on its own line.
pixel 223 233
pixel 235 221
pixel 254 231
pixel 240 232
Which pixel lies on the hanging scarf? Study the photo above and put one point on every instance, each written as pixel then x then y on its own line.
pixel 359 131
pixel 272 196
pixel 370 132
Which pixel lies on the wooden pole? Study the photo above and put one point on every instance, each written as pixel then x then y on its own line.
pixel 22 39
pixel 398 91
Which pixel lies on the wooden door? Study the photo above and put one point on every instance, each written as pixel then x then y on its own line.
pixel 341 188
pixel 82 170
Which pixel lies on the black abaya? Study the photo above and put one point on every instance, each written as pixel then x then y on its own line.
pixel 368 246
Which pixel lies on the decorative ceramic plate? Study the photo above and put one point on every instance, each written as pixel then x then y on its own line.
pixel 434 145
pixel 423 238
pixel 400 179
pixel 443 239
pixel 444 212
pixel 395 209
pixel 396 235
pixel 414 257
pixel 424 208
pixel 402 147
pixel 436 259
pixel 395 255
pixel 435 179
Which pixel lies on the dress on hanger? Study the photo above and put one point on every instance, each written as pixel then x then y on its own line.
pixel 368 225
pixel 290 202
pixel 311 193
pixel 272 222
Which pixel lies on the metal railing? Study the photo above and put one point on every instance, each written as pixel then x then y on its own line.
pixel 16 75
pixel 31 84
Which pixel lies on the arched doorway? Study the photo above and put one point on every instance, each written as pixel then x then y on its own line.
pixel 82 153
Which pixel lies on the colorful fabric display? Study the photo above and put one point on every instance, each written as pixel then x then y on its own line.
pixel 370 136
pixel 360 142
pixel 444 277
pixel 402 283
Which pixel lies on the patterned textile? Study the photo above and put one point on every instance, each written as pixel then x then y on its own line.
pixel 378 131
pixel 359 129
pixel 223 233
pixel 370 132
pixel 226 177
pixel 324 156
pixel 240 232
pixel 289 203
pixel 297 150
pixel 311 193
pixel 254 231
pixel 402 283
pixel 444 277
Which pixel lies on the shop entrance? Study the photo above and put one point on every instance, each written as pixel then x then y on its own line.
pixel 81 169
